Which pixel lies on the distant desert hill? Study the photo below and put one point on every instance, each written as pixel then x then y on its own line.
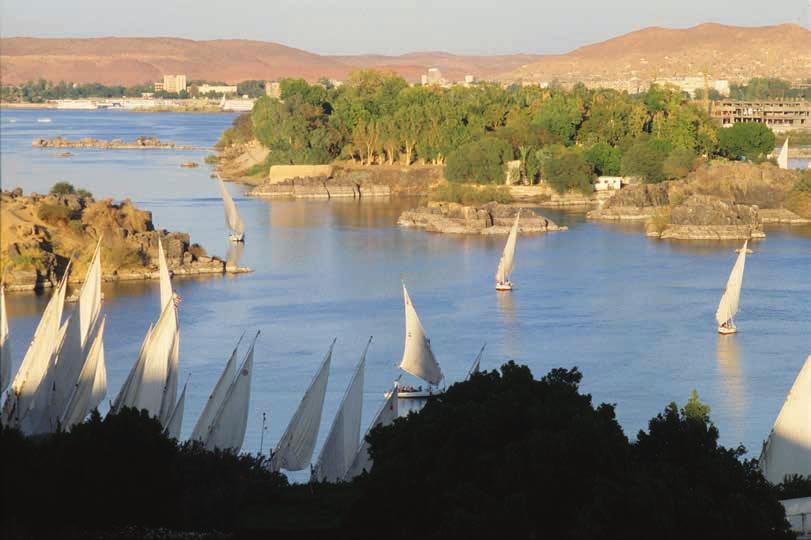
pixel 136 60
pixel 726 52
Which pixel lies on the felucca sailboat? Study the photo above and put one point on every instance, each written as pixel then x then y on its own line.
pixel 385 416
pixel 418 358
pixel 788 448
pixel 507 262
pixel 152 381
pixel 36 363
pixel 782 157
pixel 728 306
pixel 226 430
pixel 343 439
pixel 232 217
pixel 295 448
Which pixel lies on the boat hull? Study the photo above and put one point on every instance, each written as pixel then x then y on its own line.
pixel 727 330
pixel 418 394
pixel 237 238
pixel 508 286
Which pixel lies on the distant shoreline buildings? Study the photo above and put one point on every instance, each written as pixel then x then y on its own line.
pixel 171 84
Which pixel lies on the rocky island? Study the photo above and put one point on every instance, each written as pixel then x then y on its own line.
pixel 41 233
pixel 490 218
pixel 139 143
pixel 720 201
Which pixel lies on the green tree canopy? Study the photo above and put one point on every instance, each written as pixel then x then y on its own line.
pixel 569 171
pixel 482 161
pixel 504 455
pixel 749 140
pixel 604 159
pixel 645 159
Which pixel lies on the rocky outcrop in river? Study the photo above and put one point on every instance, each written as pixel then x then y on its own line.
pixel 40 234
pixel 720 200
pixel 115 144
pixel 491 218
pixel 633 203
pixel 702 217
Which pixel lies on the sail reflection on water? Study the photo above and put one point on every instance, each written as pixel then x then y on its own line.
pixel 732 382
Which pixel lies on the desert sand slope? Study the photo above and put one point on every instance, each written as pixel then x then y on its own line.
pixel 726 52
pixel 137 60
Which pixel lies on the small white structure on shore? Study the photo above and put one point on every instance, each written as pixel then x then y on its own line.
pixel 607 183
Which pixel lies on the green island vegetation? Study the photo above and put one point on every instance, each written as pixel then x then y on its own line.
pixel 501 455
pixel 566 137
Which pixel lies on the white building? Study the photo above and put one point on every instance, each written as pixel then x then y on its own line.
pixel 608 183
pixel 212 89
pixel 237 105
pixel 434 76
pixel 273 89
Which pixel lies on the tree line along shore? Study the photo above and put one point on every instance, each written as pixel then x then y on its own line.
pixel 558 140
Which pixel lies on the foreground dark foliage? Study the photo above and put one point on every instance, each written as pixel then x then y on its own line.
pixel 504 455
pixel 122 471
pixel 499 456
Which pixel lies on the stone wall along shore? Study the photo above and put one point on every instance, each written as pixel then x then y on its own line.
pixel 491 218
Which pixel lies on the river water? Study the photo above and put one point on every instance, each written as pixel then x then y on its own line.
pixel 634 314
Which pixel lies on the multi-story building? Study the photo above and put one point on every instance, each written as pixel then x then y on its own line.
pixel 434 77
pixel 273 89
pixel 211 89
pixel 171 84
pixel 780 115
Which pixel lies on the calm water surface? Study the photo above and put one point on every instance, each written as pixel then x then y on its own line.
pixel 634 314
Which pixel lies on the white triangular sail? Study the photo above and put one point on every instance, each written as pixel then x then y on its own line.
pixel 418 358
pixel 728 306
pixel 476 366
pixel 89 305
pixel 216 398
pixel 86 391
pixel 227 431
pixel 232 217
pixel 782 157
pixel 385 416
pixel 170 388
pixel 72 354
pixel 788 448
pixel 344 435
pixel 37 359
pixel 145 388
pixel 133 376
pixel 165 279
pixel 5 347
pixel 295 448
pixel 99 381
pixel 507 262
pixel 175 422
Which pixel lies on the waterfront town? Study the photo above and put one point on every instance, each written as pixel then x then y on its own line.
pixel 784 114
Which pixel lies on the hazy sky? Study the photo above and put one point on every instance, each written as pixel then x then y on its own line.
pixel 387 26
